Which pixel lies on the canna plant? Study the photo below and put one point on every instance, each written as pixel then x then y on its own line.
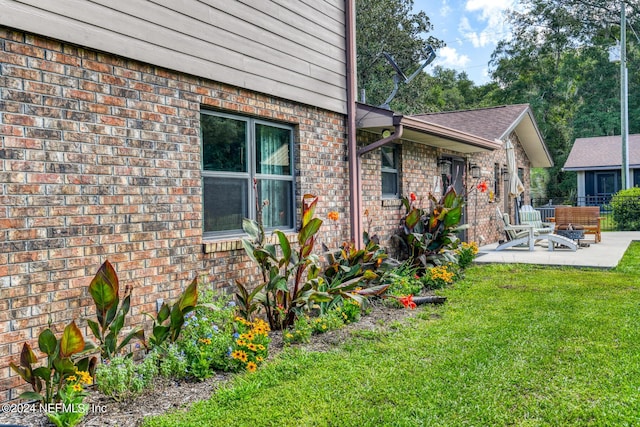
pixel 426 235
pixel 47 381
pixel 168 324
pixel 291 279
pixel 110 312
pixel 287 289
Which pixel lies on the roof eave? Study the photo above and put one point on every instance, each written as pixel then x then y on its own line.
pixel 375 119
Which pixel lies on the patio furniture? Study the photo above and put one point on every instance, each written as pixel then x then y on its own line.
pixel 530 216
pixel 587 217
pixel 526 235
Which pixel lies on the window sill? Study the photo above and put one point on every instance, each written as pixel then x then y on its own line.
pixel 227 244
pixel 391 202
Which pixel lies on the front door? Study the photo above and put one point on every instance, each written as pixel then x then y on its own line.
pixel 457 176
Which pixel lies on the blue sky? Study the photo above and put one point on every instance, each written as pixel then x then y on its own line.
pixel 471 30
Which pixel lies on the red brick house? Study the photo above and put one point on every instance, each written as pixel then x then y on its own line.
pixel 133 132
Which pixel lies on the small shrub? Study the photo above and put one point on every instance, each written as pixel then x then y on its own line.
pixel 207 336
pixel 173 363
pixel 625 205
pixel 404 281
pixel 466 254
pixel 439 277
pixel 351 310
pixel 329 321
pixel 123 379
pixel 300 332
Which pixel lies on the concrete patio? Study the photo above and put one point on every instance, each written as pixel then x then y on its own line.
pixel 606 254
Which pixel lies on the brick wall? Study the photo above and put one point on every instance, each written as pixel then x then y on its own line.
pixel 100 159
pixel 418 167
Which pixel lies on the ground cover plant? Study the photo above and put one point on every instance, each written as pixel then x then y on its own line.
pixel 514 345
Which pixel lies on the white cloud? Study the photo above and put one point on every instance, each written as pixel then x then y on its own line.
pixel 445 10
pixel 490 15
pixel 449 57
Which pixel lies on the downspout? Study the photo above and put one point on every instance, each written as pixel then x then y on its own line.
pixel 355 199
pixel 355 185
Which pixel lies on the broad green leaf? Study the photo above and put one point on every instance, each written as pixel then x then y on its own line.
pixel 71 341
pixel 284 246
pixel 189 297
pixel 453 217
pixel 249 249
pixel 64 366
pixel 309 202
pixel 412 219
pixel 251 227
pixel 95 328
pixel 104 290
pixel 309 231
pixel 164 312
pixel 42 372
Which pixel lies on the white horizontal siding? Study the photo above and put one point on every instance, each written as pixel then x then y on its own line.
pixel 287 48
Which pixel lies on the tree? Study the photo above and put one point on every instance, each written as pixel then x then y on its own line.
pixel 390 26
pixel 556 61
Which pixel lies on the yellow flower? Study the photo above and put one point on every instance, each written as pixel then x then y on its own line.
pixel 236 354
pixel 251 346
pixel 85 377
pixel 72 378
pixel 76 387
pixel 249 336
pixel 242 356
pixel 205 340
pixel 261 347
pixel 251 367
pixel 241 342
pixel 259 358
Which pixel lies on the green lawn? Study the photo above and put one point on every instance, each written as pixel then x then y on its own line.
pixel 513 346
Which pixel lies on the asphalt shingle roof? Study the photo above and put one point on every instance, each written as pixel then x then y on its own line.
pixel 490 123
pixel 602 151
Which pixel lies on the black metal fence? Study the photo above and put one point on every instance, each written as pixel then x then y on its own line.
pixel 607 222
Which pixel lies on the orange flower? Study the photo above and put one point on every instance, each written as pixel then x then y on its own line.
pixel 483 186
pixel 408 302
pixel 413 197
pixel 333 216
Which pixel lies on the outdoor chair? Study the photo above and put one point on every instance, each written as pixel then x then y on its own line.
pixel 532 217
pixel 526 235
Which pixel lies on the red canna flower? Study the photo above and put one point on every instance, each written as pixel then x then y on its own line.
pixel 333 216
pixel 408 302
pixel 483 186
pixel 412 197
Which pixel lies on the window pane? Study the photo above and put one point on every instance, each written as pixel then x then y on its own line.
pixel 276 203
pixel 225 203
pixel 273 150
pixel 389 157
pixel 224 144
pixel 389 184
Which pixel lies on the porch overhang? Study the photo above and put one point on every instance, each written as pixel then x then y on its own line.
pixel 377 120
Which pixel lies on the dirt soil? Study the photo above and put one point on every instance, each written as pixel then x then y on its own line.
pixel 168 395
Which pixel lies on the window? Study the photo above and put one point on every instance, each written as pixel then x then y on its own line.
pixel 390 171
pixel 236 151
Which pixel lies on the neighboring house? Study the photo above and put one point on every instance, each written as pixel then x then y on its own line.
pixel 134 132
pixel 598 164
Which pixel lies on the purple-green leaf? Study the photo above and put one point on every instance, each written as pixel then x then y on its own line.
pixel 72 341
